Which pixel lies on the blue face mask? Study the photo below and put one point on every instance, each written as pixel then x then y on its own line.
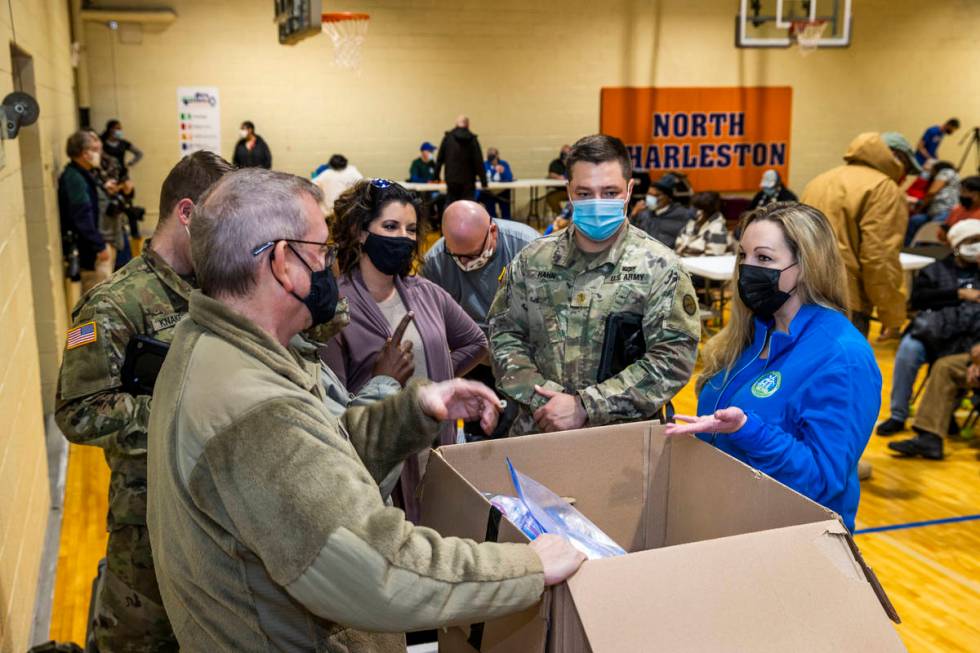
pixel 598 219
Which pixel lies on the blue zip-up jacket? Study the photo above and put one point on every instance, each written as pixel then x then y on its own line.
pixel 811 406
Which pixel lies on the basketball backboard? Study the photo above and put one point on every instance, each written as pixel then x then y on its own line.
pixel 297 19
pixel 777 23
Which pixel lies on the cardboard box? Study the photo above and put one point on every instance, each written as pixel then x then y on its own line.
pixel 722 557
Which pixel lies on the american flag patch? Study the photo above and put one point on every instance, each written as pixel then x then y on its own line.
pixel 81 335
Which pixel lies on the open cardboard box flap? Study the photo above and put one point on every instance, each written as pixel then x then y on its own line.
pixel 787 589
pixel 722 557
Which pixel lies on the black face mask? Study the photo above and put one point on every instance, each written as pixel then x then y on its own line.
pixel 967 202
pixel 390 254
pixel 759 289
pixel 321 302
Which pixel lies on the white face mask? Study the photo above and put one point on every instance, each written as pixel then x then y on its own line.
pixel 971 251
pixel 243 133
pixel 94 158
pixel 651 201
pixel 478 263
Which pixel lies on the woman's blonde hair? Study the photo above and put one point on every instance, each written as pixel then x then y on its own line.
pixel 822 279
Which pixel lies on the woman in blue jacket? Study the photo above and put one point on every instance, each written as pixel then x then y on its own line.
pixel 789 386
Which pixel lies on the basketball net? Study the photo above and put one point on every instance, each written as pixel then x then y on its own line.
pixel 347 32
pixel 808 34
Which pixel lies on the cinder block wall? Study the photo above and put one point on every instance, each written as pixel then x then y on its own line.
pixel 32 299
pixel 527 73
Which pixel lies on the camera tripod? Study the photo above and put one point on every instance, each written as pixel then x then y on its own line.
pixel 973 136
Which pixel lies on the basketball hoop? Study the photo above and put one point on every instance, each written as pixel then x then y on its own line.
pixel 347 31
pixel 808 34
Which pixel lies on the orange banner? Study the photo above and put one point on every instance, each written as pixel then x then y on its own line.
pixel 722 138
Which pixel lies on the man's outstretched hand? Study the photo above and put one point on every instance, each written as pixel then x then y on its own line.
pixel 461 399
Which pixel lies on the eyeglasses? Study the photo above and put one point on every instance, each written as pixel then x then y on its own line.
pixel 483 248
pixel 381 184
pixel 328 251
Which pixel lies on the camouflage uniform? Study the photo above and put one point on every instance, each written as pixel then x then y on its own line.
pixel 145 297
pixel 547 326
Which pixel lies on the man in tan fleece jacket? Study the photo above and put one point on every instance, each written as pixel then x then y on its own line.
pixel 867 209
pixel 266 521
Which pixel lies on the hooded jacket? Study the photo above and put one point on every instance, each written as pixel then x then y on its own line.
pixel 462 157
pixel 267 524
pixel 867 210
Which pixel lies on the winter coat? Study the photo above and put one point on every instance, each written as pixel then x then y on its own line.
pixel 462 157
pixel 945 324
pixel 867 210
pixel 258 157
pixel 665 225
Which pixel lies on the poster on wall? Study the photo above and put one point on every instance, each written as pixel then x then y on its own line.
pixel 723 139
pixel 198 119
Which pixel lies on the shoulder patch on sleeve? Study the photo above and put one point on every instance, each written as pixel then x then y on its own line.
pixel 83 334
pixel 683 315
pixel 690 306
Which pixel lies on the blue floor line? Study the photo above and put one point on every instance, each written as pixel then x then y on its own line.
pixel 916 524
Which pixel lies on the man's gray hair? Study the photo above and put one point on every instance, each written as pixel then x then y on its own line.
pixel 79 142
pixel 240 212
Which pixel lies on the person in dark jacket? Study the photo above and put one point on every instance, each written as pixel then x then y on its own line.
pixel 251 150
pixel 462 157
pixel 116 168
pixel 660 214
pixel 423 169
pixel 78 208
pixel 947 295
pixel 771 190
pixel 114 146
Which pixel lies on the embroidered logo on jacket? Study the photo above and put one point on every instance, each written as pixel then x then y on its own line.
pixel 767 384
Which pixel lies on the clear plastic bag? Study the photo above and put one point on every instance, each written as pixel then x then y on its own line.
pixel 538 510
pixel 514 509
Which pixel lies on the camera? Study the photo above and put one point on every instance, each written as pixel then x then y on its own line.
pixel 73 264
pixel 119 203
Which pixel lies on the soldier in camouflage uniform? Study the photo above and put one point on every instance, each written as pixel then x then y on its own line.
pixel 547 322
pixel 148 296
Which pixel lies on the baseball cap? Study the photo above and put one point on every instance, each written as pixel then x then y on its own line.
pixel 770 178
pixel 668 184
pixel 896 141
pixel 428 147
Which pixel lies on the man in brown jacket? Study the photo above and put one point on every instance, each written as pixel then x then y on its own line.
pixel 867 209
pixel 266 520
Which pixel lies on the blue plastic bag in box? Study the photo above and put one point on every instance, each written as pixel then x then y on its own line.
pixel 552 514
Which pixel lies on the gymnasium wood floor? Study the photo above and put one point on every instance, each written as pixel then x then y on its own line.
pixel 931 573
